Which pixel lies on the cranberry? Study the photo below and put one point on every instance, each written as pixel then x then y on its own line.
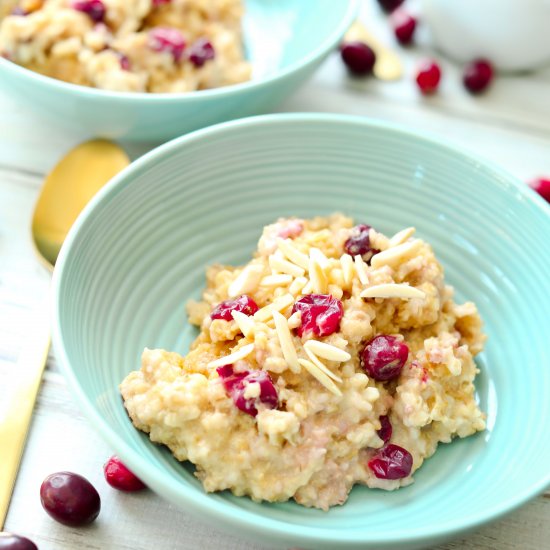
pixel 403 25
pixel 124 61
pixel 160 2
pixel 70 499
pixel 359 243
pixel 119 477
pixel 428 76
pixel 95 9
pixel 236 383
pixel 245 304
pixel 542 187
pixel 383 357
pixel 201 51
pixel 389 5
pixel 167 39
pixel 358 57
pixel 9 541
pixel 391 462
pixel 477 75
pixel 321 314
pixel 18 10
pixel 385 431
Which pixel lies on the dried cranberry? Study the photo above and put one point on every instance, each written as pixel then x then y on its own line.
pixel 167 39
pixel 18 10
pixel 383 357
pixel 391 462
pixel 477 75
pixel 201 51
pixel 120 477
pixel 542 187
pixel 160 2
pixel 245 304
pixel 95 9
pixel 404 25
pixel 321 314
pixel 124 61
pixel 428 76
pixel 389 5
pixel 385 431
pixel 9 541
pixel 359 243
pixel 358 57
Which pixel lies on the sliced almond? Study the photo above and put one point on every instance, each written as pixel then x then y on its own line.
pixel 265 313
pixel 317 277
pixel 402 236
pixel 284 266
pixel 392 290
pixel 244 322
pixel 285 339
pixel 320 376
pixel 319 257
pixel 348 269
pixel 327 351
pixel 392 256
pixel 320 365
pixel 247 281
pixel 280 279
pixel 361 269
pixel 297 285
pixel 293 254
pixel 241 353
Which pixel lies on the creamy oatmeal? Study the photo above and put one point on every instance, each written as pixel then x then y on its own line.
pixel 128 45
pixel 336 356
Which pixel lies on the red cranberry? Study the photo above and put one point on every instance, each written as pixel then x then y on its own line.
pixel 236 383
pixel 160 2
pixel 321 314
pixel 385 431
pixel 383 357
pixel 118 476
pixel 201 51
pixel 124 61
pixel 477 75
pixel 167 39
pixel 9 541
pixel 95 9
pixel 428 76
pixel 404 25
pixel 389 5
pixel 245 304
pixel 359 243
pixel 358 57
pixel 70 499
pixel 542 187
pixel 391 462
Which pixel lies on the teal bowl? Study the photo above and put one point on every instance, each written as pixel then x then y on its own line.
pixel 285 41
pixel 139 250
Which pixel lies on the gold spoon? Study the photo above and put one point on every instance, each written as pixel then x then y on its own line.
pixel 67 189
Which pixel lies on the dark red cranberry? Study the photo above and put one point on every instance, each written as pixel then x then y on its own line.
pixel 383 357
pixel 477 75
pixel 359 243
pixel 95 9
pixel 120 477
pixel 201 51
pixel 124 61
pixel 391 462
pixel 167 39
pixel 389 5
pixel 428 76
pixel 404 25
pixel 321 314
pixel 385 431
pixel 160 2
pixel 236 383
pixel 542 187
pixel 245 304
pixel 18 10
pixel 358 57
pixel 9 541
pixel 70 499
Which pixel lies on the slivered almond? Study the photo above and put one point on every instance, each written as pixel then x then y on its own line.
pixel 284 266
pixel 232 357
pixel 264 314
pixel 348 269
pixel 396 254
pixel 244 322
pixel 285 339
pixel 327 351
pixel 391 290
pixel 247 281
pixel 401 236
pixel 317 277
pixel 293 254
pixel 319 364
pixel 361 268
pixel 297 285
pixel 308 289
pixel 295 320
pixel 320 376
pixel 319 257
pixel 280 279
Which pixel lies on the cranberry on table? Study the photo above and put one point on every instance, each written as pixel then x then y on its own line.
pixel 359 243
pixel 383 357
pixel 542 187
pixel 70 499
pixel 95 9
pixel 9 541
pixel 320 313
pixel 244 304
pixel 428 76
pixel 386 429
pixel 391 462
pixel 120 477
pixel 201 51
pixel 477 75
pixel 167 39
pixel 389 5
pixel 404 25
pixel 358 57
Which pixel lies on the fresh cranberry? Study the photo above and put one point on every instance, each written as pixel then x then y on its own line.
pixel 389 5
pixel 124 61
pixel 359 243
pixel 477 75
pixel 358 57
pixel 18 10
pixel 9 541
pixel 201 51
pixel 383 357
pixel 385 431
pixel 167 39
pixel 542 187
pixel 391 462
pixel 321 314
pixel 404 25
pixel 428 76
pixel 236 383
pixel 70 499
pixel 118 476
pixel 95 9
pixel 245 304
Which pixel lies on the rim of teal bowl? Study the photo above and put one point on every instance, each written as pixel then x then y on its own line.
pixel 108 95
pixel 201 502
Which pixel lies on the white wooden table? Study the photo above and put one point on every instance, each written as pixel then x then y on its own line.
pixel 509 125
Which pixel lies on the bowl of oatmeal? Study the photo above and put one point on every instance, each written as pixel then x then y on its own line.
pixel 320 340
pixel 149 70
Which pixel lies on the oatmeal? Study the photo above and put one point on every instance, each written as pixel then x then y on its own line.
pixel 128 45
pixel 336 356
